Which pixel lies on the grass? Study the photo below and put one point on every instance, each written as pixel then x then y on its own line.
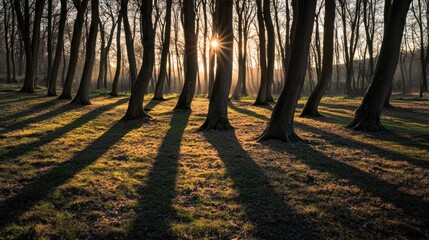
pixel 70 172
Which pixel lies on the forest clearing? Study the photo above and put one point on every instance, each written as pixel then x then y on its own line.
pixel 74 172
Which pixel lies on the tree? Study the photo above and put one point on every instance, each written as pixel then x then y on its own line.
pixel 80 6
pixel 118 59
pixel 52 89
pixel 311 107
pixel 217 118
pixel 271 44
pixel 281 122
pixel 82 96
pixel 31 44
pixel 191 56
pixel 6 39
pixel 261 98
pixel 135 106
pixel 164 55
pixel 367 116
pixel 129 42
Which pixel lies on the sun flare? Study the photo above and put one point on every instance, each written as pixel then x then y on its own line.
pixel 214 44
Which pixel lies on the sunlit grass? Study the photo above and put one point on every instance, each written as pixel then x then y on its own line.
pixel 75 172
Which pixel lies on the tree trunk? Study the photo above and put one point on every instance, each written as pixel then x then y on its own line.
pixel 52 90
pixel 82 96
pixel 271 44
pixel 387 9
pixel 31 45
pixel 213 54
pixel 281 122
pixel 118 60
pixel 191 56
pixel 135 106
pixel 129 43
pixel 367 116
pixel 311 107
pixel 49 44
pixel 164 55
pixel 261 98
pixel 217 118
pixel 6 41
pixel 74 48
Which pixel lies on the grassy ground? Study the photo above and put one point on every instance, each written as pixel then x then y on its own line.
pixel 70 172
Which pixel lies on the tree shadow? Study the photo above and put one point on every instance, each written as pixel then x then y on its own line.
pixel 411 205
pixel 155 211
pixel 34 109
pixel 265 207
pixel 247 112
pixel 50 136
pixel 14 98
pixel 11 209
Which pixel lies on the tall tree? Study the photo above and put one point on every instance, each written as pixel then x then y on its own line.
pixel 52 89
pixel 191 56
pixel 261 98
pixel 135 106
pixel 159 89
pixel 49 44
pixel 6 40
pixel 271 45
pixel 82 95
pixel 311 107
pixel 31 44
pixel 367 116
pixel 81 6
pixel 217 118
pixel 281 122
pixel 118 59
pixel 129 42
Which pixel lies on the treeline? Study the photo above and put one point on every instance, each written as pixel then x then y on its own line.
pixel 359 27
pixel 197 45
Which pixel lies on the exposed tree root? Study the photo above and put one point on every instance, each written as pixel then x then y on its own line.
pixel 219 124
pixel 288 135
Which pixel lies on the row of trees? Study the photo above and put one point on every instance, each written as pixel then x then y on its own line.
pixel 358 31
pixel 295 52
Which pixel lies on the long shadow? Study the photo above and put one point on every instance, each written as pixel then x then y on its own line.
pixel 265 207
pixel 155 212
pixel 247 112
pixel 11 209
pixel 31 110
pixel 336 139
pixel 48 137
pixel 14 98
pixel 152 104
pixel 411 205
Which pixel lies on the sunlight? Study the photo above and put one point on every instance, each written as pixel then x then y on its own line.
pixel 214 44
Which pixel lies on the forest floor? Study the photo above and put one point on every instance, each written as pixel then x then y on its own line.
pixel 69 172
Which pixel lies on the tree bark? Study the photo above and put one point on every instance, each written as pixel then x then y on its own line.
pixel 52 90
pixel 129 43
pixel 31 45
pixel 261 98
pixel 217 118
pixel 82 96
pixel 74 48
pixel 281 122
pixel 271 44
pixel 118 60
pixel 191 56
pixel 159 89
pixel 367 116
pixel 311 107
pixel 6 41
pixel 135 106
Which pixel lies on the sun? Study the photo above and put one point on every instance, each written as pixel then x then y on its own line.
pixel 214 44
